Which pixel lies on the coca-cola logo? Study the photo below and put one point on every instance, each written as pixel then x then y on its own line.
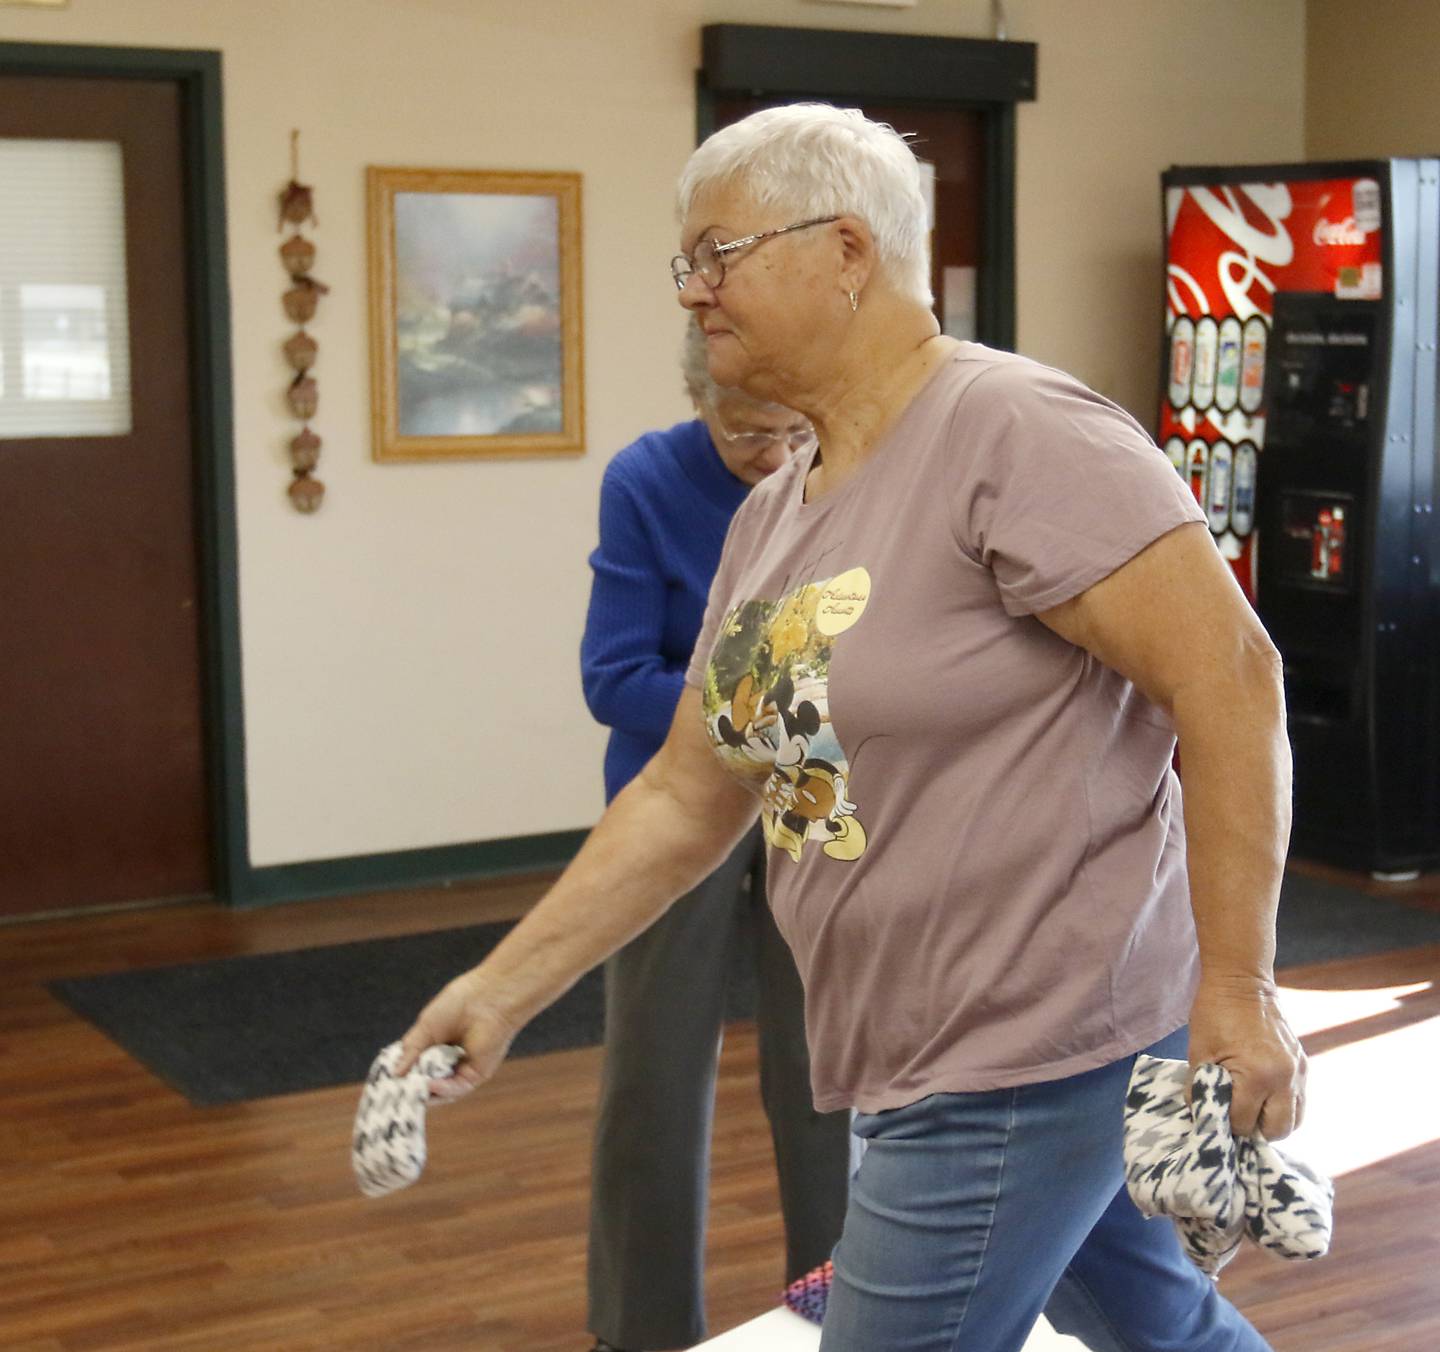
pixel 1338 232
pixel 1252 217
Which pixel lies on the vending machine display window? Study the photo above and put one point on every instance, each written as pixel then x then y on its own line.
pixel 1317 541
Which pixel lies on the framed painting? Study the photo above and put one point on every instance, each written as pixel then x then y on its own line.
pixel 475 332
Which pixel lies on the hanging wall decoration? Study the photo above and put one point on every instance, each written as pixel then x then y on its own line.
pixel 297 208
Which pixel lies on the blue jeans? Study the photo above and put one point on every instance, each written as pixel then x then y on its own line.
pixel 972 1213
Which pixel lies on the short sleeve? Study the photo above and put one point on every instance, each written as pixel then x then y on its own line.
pixel 1053 487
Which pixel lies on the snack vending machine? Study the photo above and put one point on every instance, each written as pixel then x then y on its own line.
pixel 1299 403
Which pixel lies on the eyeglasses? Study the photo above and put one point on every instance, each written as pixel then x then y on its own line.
pixel 708 260
pixel 793 439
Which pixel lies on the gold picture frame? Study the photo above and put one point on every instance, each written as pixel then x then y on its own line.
pixel 475 314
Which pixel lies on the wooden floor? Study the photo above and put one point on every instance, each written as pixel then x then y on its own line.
pixel 130 1220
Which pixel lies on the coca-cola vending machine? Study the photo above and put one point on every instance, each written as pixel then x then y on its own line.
pixel 1299 404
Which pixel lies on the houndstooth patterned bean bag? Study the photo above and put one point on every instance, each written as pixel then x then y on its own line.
pixel 1182 1161
pixel 388 1148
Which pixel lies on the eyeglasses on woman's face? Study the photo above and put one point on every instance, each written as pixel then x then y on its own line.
pixel 751 441
pixel 708 260
pixel 754 442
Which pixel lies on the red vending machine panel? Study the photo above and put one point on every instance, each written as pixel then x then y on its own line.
pixel 1230 248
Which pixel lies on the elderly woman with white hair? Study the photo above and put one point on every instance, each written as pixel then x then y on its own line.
pixel 947 658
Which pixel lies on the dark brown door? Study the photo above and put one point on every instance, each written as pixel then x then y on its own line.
pixel 102 771
pixel 952 140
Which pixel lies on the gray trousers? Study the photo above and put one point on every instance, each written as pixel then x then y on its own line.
pixel 664 1011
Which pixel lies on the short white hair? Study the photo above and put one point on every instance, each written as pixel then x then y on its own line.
pixel 817 160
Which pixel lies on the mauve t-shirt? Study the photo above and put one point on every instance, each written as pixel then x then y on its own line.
pixel 976 848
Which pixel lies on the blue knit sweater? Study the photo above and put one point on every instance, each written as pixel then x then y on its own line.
pixel 665 504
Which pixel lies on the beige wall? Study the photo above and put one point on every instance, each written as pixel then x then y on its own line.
pixel 410 653
pixel 1370 79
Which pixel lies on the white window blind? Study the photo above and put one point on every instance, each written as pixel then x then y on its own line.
pixel 64 324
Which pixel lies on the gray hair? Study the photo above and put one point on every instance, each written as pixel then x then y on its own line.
pixel 817 160
pixel 700 385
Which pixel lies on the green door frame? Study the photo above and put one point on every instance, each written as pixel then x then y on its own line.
pixel 198 74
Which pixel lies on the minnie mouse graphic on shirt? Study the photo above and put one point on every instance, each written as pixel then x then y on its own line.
pixel 767 710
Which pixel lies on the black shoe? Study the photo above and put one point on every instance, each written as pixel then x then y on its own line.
pixel 602 1346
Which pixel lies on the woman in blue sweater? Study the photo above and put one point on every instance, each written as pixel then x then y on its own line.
pixel 665 504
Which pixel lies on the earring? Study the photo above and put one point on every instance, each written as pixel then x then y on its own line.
pixel 854 302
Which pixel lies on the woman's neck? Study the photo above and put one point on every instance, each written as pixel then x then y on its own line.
pixel 866 394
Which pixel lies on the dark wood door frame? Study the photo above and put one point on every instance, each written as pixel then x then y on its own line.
pixel 970 73
pixel 198 74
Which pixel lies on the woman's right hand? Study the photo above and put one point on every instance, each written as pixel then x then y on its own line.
pixel 460 1014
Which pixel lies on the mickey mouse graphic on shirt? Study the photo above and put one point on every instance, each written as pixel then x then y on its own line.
pixel 767 709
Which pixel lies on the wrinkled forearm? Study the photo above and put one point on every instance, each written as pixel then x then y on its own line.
pixel 1235 767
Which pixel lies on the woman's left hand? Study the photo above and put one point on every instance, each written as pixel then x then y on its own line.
pixel 1236 1022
